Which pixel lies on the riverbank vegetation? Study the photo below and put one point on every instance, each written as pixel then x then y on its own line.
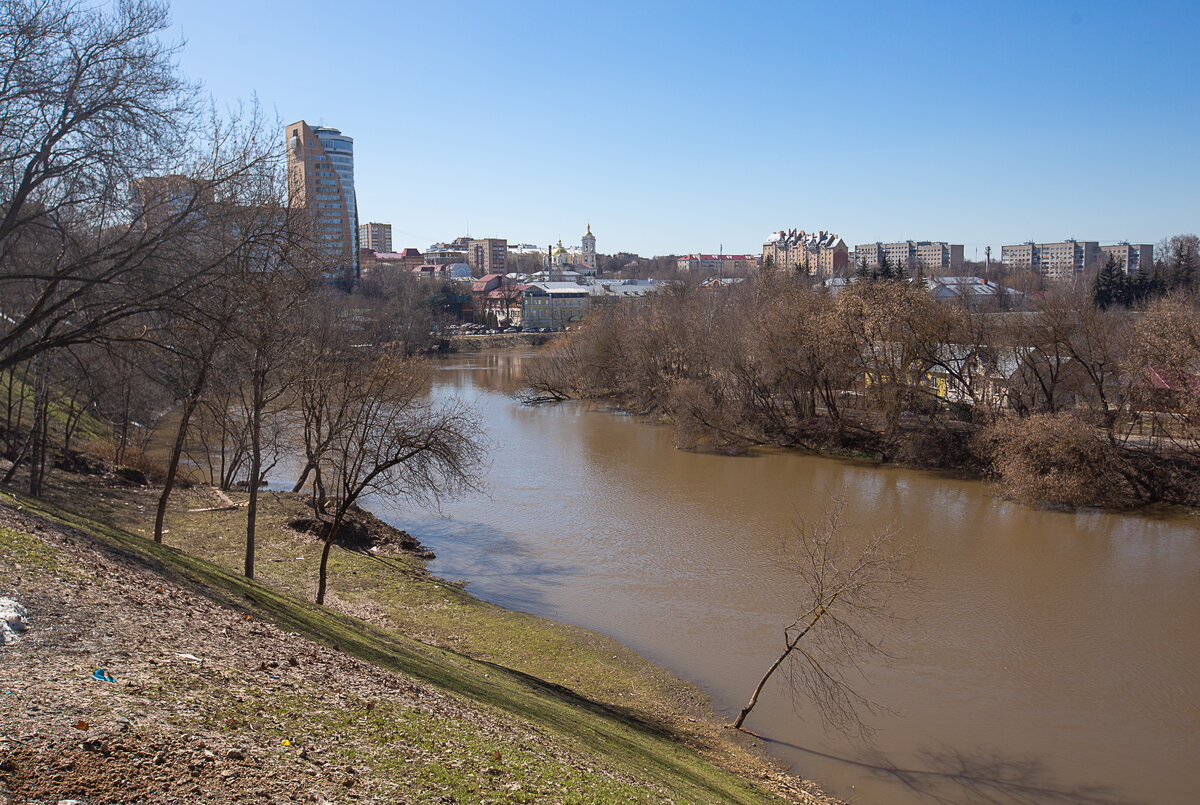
pixel 236 690
pixel 1065 403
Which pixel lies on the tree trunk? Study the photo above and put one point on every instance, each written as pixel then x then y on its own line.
pixel 299 487
pixel 16 462
pixel 745 711
pixel 173 466
pixel 790 647
pixel 323 576
pixel 255 467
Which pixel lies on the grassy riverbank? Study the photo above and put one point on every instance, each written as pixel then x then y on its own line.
pixel 524 709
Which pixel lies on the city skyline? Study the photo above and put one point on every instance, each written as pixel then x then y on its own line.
pixel 674 128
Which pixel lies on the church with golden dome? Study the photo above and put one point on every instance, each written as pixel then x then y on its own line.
pixel 581 258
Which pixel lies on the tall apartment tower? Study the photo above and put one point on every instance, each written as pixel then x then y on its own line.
pixel 376 237
pixel 488 256
pixel 320 163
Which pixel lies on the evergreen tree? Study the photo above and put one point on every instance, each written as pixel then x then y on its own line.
pixel 885 269
pixel 1140 287
pixel 1183 263
pixel 863 272
pixel 1111 286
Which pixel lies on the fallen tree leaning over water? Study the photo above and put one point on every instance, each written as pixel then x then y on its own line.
pixel 846 590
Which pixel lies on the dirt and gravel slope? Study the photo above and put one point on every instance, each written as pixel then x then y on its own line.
pixel 210 703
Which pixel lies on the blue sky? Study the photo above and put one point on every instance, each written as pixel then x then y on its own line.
pixel 679 127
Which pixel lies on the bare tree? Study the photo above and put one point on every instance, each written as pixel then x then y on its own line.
pixel 92 103
pixel 846 592
pixel 261 253
pixel 328 380
pixel 396 442
pixel 274 299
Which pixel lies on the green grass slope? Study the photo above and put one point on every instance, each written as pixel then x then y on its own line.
pixel 629 744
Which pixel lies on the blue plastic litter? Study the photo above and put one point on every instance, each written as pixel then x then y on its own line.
pixel 103 676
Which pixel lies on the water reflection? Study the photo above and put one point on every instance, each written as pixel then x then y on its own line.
pixel 1069 638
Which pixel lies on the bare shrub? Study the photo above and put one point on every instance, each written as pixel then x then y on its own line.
pixel 1055 458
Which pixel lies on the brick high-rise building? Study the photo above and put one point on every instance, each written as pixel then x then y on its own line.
pixel 320 163
pixel 488 256
pixel 821 254
pixel 376 237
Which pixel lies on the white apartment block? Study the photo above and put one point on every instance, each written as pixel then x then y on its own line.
pixel 910 254
pixel 720 264
pixel 1131 256
pixel 1056 261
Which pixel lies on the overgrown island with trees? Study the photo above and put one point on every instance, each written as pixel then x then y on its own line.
pixel 1084 396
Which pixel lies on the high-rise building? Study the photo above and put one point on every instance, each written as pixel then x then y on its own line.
pixel 488 256
pixel 320 163
pixel 376 237
pixel 1131 257
pixel 910 254
pixel 822 253
pixel 1056 261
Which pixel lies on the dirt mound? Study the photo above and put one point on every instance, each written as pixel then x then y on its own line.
pixel 361 531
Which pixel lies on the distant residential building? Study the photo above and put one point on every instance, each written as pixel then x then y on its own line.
pixel 554 304
pixel 973 291
pixel 499 295
pixel 488 255
pixel 432 273
pixel 1131 257
pixel 720 264
pixel 822 254
pixel 155 200
pixel 628 293
pixel 931 255
pixel 447 253
pixel 405 260
pixel 556 274
pixel 376 237
pixel 1056 261
pixel 320 168
pixel 525 248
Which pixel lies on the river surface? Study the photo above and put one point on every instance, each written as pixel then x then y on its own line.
pixel 1053 650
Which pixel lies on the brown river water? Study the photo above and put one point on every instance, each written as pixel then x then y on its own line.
pixel 1057 653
